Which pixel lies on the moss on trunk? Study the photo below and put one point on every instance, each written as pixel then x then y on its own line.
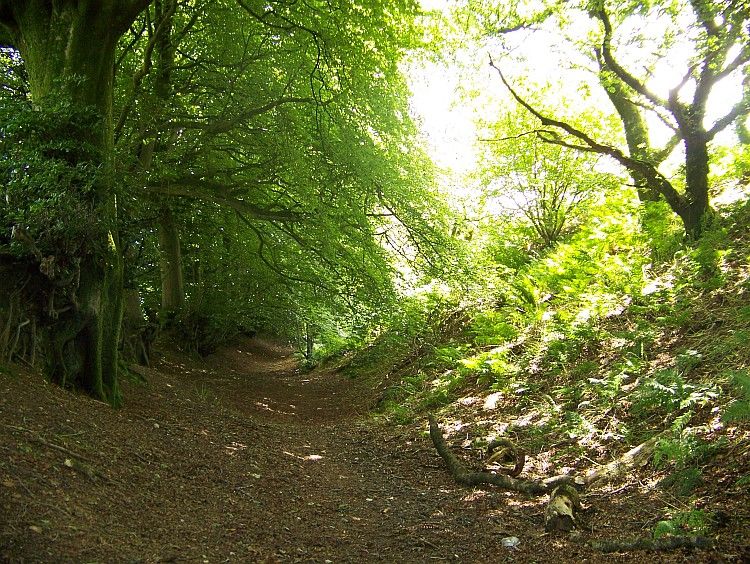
pixel 68 48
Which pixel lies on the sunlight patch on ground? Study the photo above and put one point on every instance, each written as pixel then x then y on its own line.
pixel 491 401
pixel 307 458
pixel 657 285
pixel 267 407
pixel 469 401
pixel 476 495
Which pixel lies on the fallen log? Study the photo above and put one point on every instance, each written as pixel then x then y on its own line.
pixel 636 456
pixel 466 478
pixel 654 545
pixel 563 505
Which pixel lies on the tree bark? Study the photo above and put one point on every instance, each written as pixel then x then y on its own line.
pixel 170 254
pixel 69 48
pixel 696 184
pixel 636 133
pixel 170 262
pixel 560 514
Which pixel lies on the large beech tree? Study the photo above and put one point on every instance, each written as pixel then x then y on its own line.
pixel 258 162
pixel 291 116
pixel 68 47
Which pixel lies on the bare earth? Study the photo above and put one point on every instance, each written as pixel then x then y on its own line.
pixel 241 457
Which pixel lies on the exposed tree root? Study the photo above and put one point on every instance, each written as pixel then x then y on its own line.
pixel 76 461
pixel 670 543
pixel 462 476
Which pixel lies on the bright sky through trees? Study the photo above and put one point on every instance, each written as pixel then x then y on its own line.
pixel 452 97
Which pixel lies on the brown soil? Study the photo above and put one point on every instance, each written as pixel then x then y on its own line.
pixel 243 457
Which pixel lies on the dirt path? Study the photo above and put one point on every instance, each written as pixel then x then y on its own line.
pixel 244 458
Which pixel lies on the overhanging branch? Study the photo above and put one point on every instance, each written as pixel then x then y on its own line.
pixel 216 193
pixel 654 178
pixel 618 69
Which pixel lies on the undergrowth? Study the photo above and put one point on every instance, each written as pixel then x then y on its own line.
pixel 608 337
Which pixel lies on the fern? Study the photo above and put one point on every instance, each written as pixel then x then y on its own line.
pixel 739 410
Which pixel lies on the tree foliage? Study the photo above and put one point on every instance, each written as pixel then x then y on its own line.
pixel 265 165
pixel 549 185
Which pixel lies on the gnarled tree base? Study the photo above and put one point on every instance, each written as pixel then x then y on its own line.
pixel 71 326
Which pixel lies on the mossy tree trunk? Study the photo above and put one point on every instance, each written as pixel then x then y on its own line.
pixel 696 208
pixel 68 47
pixel 170 253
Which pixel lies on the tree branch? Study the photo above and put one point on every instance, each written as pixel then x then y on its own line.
pixel 740 109
pixel 465 478
pixel 271 266
pixel 654 178
pixel 161 27
pixel 615 67
pixel 217 125
pixel 211 191
pixel 127 11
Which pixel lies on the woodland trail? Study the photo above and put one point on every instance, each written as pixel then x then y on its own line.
pixel 243 458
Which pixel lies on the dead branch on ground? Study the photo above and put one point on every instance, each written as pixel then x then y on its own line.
pixel 466 478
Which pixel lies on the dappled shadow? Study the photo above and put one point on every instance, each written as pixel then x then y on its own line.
pixel 263 378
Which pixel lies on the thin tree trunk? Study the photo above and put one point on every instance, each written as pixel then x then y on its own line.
pixel 170 262
pixel 170 255
pixel 309 343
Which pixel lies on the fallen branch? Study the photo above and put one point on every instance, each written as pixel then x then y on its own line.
pixel 462 476
pixel 508 451
pixel 61 449
pixel 670 543
pixel 78 465
pixel 637 456
pixel 41 441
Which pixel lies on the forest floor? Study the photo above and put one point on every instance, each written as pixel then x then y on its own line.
pixel 243 457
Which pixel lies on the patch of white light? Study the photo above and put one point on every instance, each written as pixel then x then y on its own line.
pixel 447 123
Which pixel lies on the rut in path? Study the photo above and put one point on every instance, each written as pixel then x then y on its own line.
pixel 335 485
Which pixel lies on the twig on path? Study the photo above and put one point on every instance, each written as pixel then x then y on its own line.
pixel 18 428
pixel 428 543
pixel 41 441
pixel 62 449
pixel 76 462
